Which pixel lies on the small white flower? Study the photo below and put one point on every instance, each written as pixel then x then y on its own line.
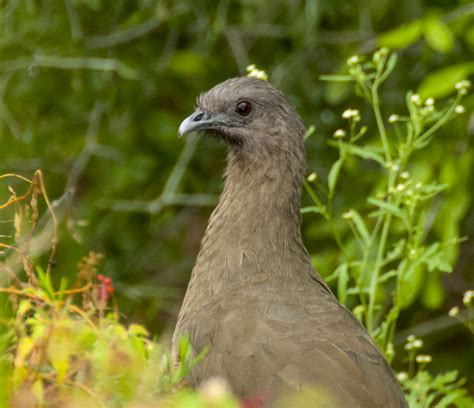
pixel 415 98
pixel 393 118
pixel 390 349
pixel 411 338
pixel 339 133
pixel 354 60
pixel 347 215
pixel 254 72
pixel 454 311
pixel 464 84
pixel 418 343
pixel 468 296
pixel 459 109
pixel 379 54
pixel 395 167
pixel 402 376
pixel 423 358
pixel 405 175
pixel 430 102
pixel 401 187
pixel 312 177
pixel 409 346
pixel 418 185
pixel 351 113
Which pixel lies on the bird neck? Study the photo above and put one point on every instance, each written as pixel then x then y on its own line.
pixel 257 220
pixel 263 190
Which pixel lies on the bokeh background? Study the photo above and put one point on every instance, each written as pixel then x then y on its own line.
pixel 92 92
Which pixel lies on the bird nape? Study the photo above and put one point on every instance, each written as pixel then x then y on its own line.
pixel 270 322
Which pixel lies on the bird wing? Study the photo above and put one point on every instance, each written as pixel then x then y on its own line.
pixel 263 344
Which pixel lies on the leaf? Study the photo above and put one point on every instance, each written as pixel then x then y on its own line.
pixel 366 152
pixel 25 346
pixel 432 296
pixel 138 330
pixel 386 276
pixel 360 225
pixel 38 392
pixel 402 36
pixel 342 281
pixel 391 63
pixel 392 209
pixel 311 209
pixel 333 175
pixel 438 35
pixel 441 82
pixel 336 78
pixel 395 252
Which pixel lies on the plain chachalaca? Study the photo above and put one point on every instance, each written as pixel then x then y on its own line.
pixel 269 320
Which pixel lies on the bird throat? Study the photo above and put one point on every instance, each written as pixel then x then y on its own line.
pixel 257 220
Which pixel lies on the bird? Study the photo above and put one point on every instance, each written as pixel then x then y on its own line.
pixel 271 325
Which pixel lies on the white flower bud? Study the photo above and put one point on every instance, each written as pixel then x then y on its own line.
pixel 459 109
pixel 415 98
pixel 467 298
pixel 354 60
pixel 339 133
pixel 351 113
pixel 418 343
pixel 347 215
pixel 393 118
pixel 454 311
pixel 312 177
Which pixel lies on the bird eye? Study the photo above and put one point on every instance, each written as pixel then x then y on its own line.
pixel 243 108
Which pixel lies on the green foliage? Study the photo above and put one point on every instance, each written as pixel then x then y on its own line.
pixel 93 94
pixel 388 254
pixel 67 346
pixel 423 389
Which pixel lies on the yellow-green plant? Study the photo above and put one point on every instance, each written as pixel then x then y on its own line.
pixel 65 344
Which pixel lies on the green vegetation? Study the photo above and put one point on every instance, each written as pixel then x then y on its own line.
pixel 92 95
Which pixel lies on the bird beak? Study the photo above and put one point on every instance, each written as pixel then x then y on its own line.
pixel 199 120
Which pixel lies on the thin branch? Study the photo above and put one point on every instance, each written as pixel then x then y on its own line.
pixel 74 22
pixel 53 61
pixel 429 327
pixel 168 196
pixel 123 36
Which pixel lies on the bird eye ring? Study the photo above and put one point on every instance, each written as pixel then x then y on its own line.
pixel 243 108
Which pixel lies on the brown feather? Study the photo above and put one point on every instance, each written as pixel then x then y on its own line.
pixel 270 321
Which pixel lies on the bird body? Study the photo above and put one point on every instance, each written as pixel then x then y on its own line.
pixel 271 324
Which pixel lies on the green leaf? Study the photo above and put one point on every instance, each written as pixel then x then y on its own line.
pixel 432 296
pixel 402 36
pixel 392 209
pixel 342 281
pixel 138 330
pixel 366 152
pixel 438 35
pixel 333 175
pixel 441 82
pixel 44 280
pixel 336 78
pixel 360 225
pixel 311 209
pixel 391 63
pixel 395 252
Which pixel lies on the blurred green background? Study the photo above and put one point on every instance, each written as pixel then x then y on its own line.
pixel 92 92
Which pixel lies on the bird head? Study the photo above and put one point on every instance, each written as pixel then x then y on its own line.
pixel 247 113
